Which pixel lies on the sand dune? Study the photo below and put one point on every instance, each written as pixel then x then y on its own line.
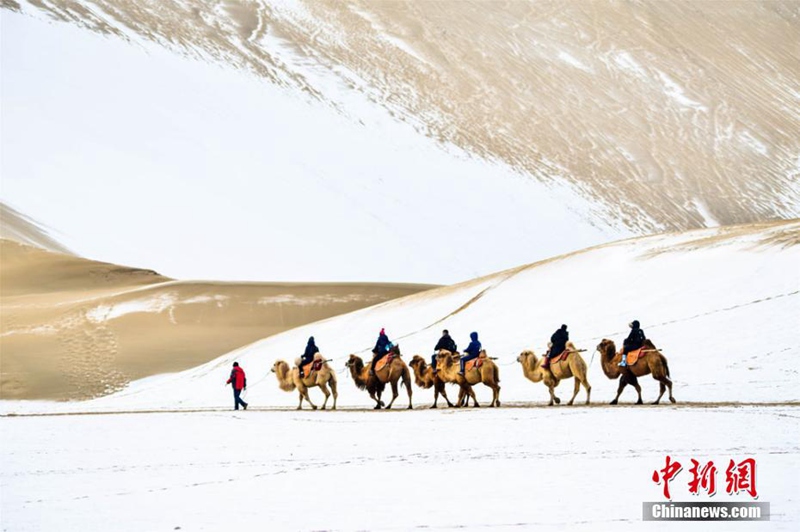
pixel 74 328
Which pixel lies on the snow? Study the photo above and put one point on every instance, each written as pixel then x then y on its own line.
pixel 205 171
pixel 507 469
pixel 677 93
pixel 572 61
pixel 154 304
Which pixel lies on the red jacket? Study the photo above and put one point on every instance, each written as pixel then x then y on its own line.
pixel 237 378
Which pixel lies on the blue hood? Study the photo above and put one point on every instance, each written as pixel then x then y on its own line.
pixel 473 336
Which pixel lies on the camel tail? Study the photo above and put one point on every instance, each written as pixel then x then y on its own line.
pixel 496 371
pixel 666 364
pixel 407 378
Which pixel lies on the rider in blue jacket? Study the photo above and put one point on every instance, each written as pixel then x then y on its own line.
pixel 382 347
pixel 472 351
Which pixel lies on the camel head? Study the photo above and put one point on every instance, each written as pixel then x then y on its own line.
pixel 395 349
pixel 417 363
pixel 607 349
pixel 354 361
pixel 280 367
pixel 281 371
pixel 527 357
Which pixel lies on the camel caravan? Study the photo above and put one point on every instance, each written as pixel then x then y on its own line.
pixel 563 360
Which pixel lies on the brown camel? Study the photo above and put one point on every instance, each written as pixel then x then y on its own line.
pixel 572 366
pixel 447 366
pixel 390 373
pixel 426 378
pixel 289 380
pixel 651 362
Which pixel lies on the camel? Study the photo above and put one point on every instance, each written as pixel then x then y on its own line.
pixel 426 378
pixel 289 380
pixel 390 373
pixel 572 366
pixel 651 362
pixel 447 366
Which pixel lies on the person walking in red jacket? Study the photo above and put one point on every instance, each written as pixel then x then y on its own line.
pixel 239 383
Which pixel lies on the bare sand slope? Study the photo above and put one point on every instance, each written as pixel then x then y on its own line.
pixel 73 328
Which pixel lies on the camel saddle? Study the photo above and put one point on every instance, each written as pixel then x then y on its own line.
pixel 558 358
pixel 384 361
pixel 475 363
pixel 314 365
pixel 634 356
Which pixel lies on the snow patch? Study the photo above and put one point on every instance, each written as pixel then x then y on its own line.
pixel 677 93
pixel 157 304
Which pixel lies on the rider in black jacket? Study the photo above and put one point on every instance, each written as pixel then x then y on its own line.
pixel 634 341
pixel 445 342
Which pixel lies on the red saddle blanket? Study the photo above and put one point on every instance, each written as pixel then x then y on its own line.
pixel 558 358
pixel 475 363
pixel 634 356
pixel 314 365
pixel 385 360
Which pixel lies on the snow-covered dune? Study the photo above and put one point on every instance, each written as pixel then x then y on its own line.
pixel 203 171
pixel 723 304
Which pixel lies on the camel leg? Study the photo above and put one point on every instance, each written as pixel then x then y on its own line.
pixel 326 392
pixel 552 396
pixel 460 400
pixel 444 394
pixel 495 395
pixel 395 394
pixel 575 391
pixel 435 395
pixel 661 389
pixel 638 388
pixel 471 392
pixel 588 390
pixel 622 384
pixel 333 385
pixel 406 376
pixel 378 402
pixel 669 385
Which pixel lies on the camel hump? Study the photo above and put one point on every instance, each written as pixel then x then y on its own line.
pixel 482 353
pixel 318 357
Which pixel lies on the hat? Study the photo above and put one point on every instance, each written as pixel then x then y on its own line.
pixel 383 331
pixel 634 324
pixel 235 364
pixel 563 327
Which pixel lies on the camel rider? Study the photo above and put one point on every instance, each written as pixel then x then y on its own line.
pixel 634 341
pixel 382 346
pixel 445 342
pixel 308 355
pixel 472 351
pixel 558 344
